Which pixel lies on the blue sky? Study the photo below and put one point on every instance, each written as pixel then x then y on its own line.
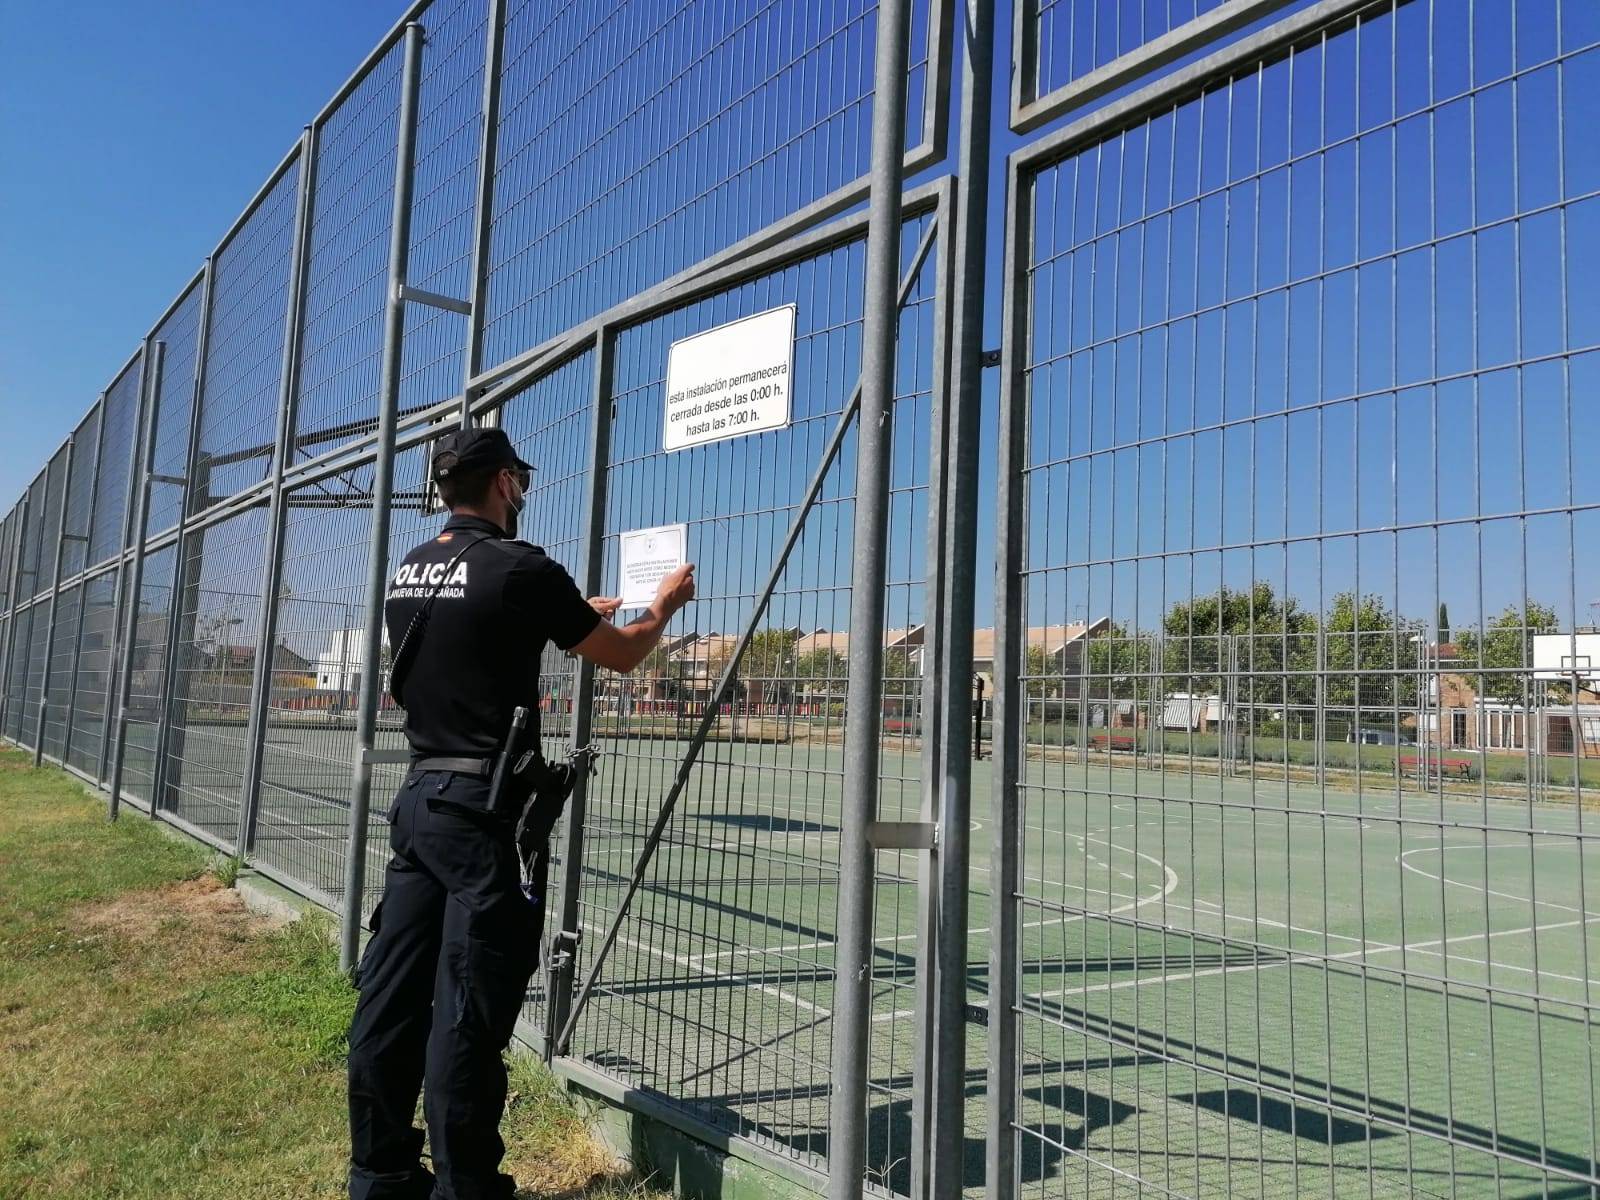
pixel 132 136
pixel 1190 372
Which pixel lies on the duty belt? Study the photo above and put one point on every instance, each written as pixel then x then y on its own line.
pixel 461 766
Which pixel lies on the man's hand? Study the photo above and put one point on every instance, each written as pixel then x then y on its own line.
pixel 624 648
pixel 606 606
pixel 676 590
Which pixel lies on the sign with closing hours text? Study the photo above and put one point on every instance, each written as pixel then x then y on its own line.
pixel 730 381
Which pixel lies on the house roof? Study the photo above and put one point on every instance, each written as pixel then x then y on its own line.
pixel 1051 638
pixel 285 659
pixel 838 640
pixel 708 647
pixel 702 647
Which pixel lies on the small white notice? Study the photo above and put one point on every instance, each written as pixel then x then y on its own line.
pixel 648 557
pixel 731 380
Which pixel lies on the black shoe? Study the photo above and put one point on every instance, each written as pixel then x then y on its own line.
pixel 416 1184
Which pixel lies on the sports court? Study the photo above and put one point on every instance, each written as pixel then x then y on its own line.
pixel 1232 986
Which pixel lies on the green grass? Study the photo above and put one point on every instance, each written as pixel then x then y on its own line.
pixel 1302 753
pixel 226 869
pixel 156 1041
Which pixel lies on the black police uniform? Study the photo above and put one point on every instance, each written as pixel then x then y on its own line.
pixel 455 939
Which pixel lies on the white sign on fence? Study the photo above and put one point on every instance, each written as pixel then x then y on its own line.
pixel 730 381
pixel 648 557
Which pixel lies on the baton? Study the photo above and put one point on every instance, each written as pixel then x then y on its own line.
pixel 503 760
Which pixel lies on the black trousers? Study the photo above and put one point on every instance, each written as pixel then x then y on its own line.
pixel 454 944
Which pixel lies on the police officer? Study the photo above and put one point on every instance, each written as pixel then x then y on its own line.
pixel 454 937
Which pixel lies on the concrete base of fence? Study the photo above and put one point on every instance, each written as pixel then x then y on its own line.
pixel 266 898
pixel 678 1152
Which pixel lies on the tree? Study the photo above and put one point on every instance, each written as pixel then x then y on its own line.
pixel 821 673
pixel 1503 653
pixel 902 682
pixel 1444 622
pixel 1120 666
pixel 1270 642
pixel 1043 674
pixel 656 664
pixel 769 663
pixel 1370 658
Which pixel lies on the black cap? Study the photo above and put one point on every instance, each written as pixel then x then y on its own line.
pixel 473 450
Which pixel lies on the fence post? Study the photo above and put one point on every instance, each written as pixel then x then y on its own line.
pixel 11 601
pixel 6 538
pixel 394 324
pixel 1319 725
pixel 272 570
pixel 483 223
pixel 852 1009
pixel 938 1165
pixel 155 354
pixel 55 597
pixel 563 942
pixel 930 727
pixel 83 587
pixel 116 652
pixel 170 737
pixel 1005 742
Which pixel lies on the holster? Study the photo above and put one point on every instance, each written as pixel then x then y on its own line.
pixel 539 789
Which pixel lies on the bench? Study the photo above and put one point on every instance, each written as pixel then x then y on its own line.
pixel 1414 764
pixel 1114 741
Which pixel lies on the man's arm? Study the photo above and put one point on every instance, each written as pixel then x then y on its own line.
pixel 623 649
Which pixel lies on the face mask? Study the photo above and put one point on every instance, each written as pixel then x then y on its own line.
pixel 516 506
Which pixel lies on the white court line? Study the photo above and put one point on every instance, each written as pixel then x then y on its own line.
pixel 817 945
pixel 683 960
pixel 1303 959
pixel 888 937
pixel 1064 919
pixel 1389 947
pixel 1461 883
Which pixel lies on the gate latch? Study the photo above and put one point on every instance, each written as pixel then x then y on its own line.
pixel 903 835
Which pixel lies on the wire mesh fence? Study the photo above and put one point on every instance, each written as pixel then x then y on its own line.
pixel 119 439
pixel 244 349
pixel 174 412
pixel 1289 707
pixel 216 613
pixel 92 670
pixel 1299 902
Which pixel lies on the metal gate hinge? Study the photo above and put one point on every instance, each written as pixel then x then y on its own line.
pixel 991 358
pixel 903 835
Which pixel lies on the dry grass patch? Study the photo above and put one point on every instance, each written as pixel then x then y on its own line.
pixel 160 1042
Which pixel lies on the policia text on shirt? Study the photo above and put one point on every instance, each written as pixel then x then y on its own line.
pixel 455 939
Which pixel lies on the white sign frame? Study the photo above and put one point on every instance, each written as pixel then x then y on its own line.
pixel 731 381
pixel 639 590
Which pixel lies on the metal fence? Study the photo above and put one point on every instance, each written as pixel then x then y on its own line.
pixel 1285 720
pixel 1295 365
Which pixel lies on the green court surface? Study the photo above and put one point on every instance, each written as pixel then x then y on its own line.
pixel 1233 987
